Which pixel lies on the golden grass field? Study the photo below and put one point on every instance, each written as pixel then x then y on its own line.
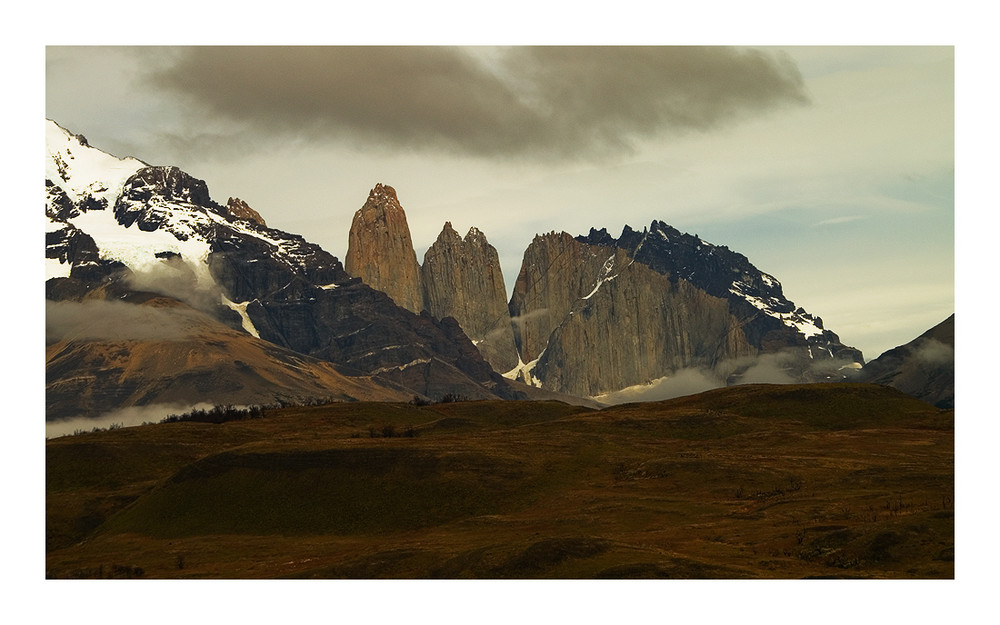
pixel 757 481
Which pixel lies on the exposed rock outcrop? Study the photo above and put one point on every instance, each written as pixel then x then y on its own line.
pixel 146 193
pixel 380 251
pixel 638 326
pixel 769 319
pixel 238 209
pixel 462 279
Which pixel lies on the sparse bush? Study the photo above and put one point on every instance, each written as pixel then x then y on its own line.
pixel 218 414
pixel 388 431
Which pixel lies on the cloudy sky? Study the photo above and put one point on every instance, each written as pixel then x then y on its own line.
pixel 831 168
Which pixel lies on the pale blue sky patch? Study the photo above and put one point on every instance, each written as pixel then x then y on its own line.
pixel 843 219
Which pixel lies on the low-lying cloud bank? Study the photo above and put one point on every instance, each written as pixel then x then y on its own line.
pixel 123 417
pixel 774 368
pixel 117 320
pixel 112 320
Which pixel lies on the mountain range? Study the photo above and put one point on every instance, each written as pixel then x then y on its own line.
pixel 157 294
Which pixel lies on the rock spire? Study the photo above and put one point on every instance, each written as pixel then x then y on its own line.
pixel 462 279
pixel 380 250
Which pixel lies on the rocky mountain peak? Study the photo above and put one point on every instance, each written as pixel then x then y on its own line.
pixel 448 233
pixel 383 193
pixel 462 279
pixel 239 209
pixel 475 237
pixel 703 307
pixel 380 250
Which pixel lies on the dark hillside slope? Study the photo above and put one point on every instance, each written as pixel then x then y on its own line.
pixel 833 480
pixel 149 351
pixel 924 367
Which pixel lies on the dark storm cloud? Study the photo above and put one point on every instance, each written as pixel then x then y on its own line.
pixel 555 101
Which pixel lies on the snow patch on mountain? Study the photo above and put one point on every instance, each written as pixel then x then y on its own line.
pixel 241 310
pixel 137 249
pixel 55 268
pixel 803 323
pixel 523 372
pixel 606 276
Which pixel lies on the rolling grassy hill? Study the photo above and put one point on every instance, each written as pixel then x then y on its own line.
pixel 755 481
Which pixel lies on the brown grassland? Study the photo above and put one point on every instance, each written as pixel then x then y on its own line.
pixel 760 481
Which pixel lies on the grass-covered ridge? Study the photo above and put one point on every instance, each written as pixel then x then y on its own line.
pixel 754 481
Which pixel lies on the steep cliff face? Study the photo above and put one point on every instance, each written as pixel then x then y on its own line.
pixel 380 250
pixel 595 314
pixel 556 271
pixel 591 320
pixel 462 279
pixel 637 326
pixel 770 320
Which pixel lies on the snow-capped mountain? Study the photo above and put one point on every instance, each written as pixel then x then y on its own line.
pixel 142 228
pixel 138 215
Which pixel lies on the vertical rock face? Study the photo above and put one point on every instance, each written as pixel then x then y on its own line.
pixel 556 271
pixel 596 314
pixel 638 326
pixel 462 279
pixel 590 320
pixel 380 250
